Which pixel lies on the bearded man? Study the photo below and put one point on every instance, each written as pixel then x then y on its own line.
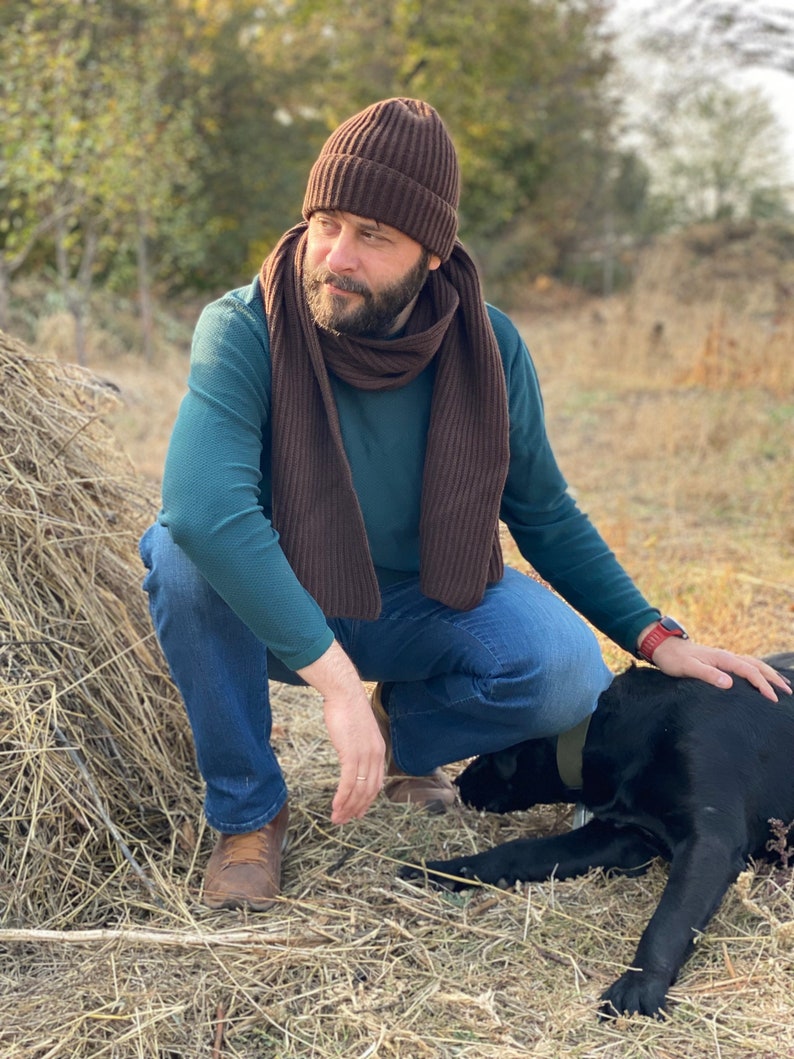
pixel 357 423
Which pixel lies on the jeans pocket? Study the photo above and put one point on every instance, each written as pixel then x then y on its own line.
pixel 145 546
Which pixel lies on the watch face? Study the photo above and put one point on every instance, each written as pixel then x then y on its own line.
pixel 673 626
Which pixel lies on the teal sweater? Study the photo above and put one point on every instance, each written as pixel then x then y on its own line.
pixel 217 495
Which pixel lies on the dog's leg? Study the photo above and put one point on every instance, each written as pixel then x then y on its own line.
pixel 700 873
pixel 598 844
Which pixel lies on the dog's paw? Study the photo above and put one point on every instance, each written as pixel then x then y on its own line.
pixel 635 993
pixel 446 875
pixel 411 872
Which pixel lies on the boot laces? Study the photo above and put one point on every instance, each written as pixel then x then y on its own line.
pixel 251 848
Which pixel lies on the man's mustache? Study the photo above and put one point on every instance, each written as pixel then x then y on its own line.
pixel 324 275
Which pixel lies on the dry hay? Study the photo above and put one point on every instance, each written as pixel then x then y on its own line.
pixel 95 758
pixel 105 948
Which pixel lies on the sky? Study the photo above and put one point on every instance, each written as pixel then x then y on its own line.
pixel 631 15
pixel 779 87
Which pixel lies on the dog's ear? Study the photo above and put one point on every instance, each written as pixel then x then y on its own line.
pixel 517 777
pixel 494 769
pixel 505 763
pixel 486 783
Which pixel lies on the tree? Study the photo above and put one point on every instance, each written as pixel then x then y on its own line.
pixel 755 33
pixel 33 198
pixel 713 147
pixel 184 132
pixel 151 176
pixel 520 85
pixel 251 64
pixel 718 156
pixel 93 149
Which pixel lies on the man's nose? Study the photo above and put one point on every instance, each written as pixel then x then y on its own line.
pixel 342 256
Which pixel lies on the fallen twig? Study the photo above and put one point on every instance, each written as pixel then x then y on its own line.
pixel 220 1026
pixel 164 938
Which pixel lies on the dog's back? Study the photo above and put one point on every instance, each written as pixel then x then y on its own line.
pixel 663 754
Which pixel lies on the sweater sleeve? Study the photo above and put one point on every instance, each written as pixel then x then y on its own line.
pixel 550 530
pixel 212 505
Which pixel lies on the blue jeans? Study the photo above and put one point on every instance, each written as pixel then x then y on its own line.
pixel 519 666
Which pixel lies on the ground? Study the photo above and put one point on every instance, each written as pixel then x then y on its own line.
pixel 670 408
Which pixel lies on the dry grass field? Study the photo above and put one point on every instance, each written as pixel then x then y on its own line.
pixel 672 413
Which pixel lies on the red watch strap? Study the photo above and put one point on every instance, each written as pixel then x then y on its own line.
pixel 657 635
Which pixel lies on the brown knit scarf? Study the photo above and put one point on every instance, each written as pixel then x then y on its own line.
pixel 315 508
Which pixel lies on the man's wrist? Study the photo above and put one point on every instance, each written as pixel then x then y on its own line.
pixel 655 634
pixel 332 674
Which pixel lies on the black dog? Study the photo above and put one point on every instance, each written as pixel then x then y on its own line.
pixel 671 768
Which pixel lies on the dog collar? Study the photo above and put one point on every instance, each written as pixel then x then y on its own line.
pixel 569 754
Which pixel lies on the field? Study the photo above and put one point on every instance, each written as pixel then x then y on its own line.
pixel 671 409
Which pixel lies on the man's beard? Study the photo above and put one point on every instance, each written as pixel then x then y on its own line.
pixel 372 317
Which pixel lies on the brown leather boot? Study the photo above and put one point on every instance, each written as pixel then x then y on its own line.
pixel 244 871
pixel 434 792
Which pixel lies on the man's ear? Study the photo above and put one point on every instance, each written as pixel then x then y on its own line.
pixel 434 262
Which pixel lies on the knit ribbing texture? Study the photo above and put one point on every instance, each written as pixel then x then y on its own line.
pixel 315 507
pixel 394 163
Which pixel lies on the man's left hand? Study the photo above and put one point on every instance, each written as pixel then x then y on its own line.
pixel 685 658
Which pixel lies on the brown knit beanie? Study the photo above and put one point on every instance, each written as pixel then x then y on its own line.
pixel 395 163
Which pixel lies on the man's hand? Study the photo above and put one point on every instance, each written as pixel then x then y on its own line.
pixel 353 731
pixel 685 658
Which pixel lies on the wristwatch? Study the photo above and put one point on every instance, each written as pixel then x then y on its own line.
pixel 659 633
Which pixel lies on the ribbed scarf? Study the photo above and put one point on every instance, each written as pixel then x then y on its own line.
pixel 315 507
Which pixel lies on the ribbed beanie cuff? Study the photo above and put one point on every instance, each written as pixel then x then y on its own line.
pixel 395 163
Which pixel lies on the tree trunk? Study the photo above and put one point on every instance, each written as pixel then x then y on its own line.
pixel 5 295
pixel 77 290
pixel 145 290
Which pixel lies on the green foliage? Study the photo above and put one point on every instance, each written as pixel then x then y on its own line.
pixel 97 151
pixel 519 84
pixel 167 142
pixel 193 125
pixel 255 151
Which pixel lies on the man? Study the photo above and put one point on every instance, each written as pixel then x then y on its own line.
pixel 357 422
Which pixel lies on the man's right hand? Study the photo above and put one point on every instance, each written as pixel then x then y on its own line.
pixel 353 731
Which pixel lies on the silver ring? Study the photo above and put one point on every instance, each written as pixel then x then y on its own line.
pixel 361 777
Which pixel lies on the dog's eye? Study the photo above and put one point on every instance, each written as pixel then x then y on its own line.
pixel 505 764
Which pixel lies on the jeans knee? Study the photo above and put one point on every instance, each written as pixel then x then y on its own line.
pixel 563 679
pixel 171 577
pixel 573 682
pixel 575 662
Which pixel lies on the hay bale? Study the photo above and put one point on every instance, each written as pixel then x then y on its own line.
pixel 96 762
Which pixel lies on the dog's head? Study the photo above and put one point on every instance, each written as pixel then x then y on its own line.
pixel 515 778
